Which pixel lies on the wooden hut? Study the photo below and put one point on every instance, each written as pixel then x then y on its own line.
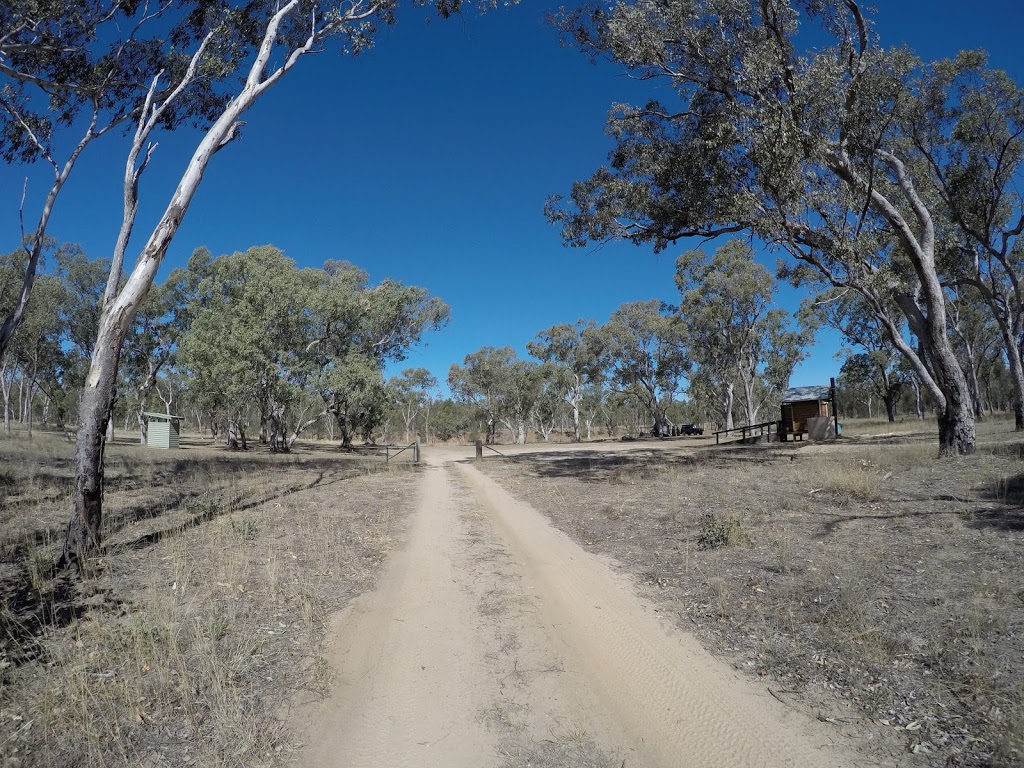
pixel 163 430
pixel 808 411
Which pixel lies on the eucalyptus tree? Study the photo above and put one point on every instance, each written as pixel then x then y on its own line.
pixel 477 382
pixel 83 279
pixel 412 388
pixel 857 386
pixel 451 420
pixel 997 390
pixel 383 320
pixel 71 73
pixel 10 271
pixel 704 390
pixel 877 364
pixel 250 49
pixel 152 343
pixel 593 399
pixel 645 356
pixel 50 348
pixel 977 337
pixel 357 328
pixel 504 388
pixel 809 150
pixel 968 125
pixel 875 375
pixel 550 403
pixel 247 340
pixel 575 351
pixel 267 335
pixel 732 329
pixel 356 395
pixel 521 387
pixel 35 357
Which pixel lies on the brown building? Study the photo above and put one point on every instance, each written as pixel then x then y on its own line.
pixel 808 411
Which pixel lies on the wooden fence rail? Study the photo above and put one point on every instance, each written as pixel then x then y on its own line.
pixel 764 428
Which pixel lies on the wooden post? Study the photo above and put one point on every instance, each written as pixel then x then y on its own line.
pixel 416 451
pixel 479 450
pixel 835 405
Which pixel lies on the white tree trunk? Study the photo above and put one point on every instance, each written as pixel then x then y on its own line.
pixel 728 399
pixel 5 386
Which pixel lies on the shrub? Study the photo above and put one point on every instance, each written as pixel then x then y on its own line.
pixel 715 531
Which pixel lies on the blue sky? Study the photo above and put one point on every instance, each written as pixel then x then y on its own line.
pixel 429 159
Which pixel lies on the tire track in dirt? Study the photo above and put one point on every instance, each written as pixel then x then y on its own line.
pixel 535 711
pixel 680 705
pixel 494 640
pixel 408 661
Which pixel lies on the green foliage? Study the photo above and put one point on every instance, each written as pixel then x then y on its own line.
pixel 502 387
pixel 825 153
pixel 644 352
pixel 574 353
pixel 411 390
pixel 353 389
pixel 877 370
pixel 150 348
pixel 50 348
pixel 265 334
pixel 450 420
pixel 248 323
pixel 732 330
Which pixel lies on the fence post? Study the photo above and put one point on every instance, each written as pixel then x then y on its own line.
pixel 416 451
pixel 479 450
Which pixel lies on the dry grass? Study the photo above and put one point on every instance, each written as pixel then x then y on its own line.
pixel 205 612
pixel 865 580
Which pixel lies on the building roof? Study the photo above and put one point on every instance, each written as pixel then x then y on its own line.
pixel 162 416
pixel 802 394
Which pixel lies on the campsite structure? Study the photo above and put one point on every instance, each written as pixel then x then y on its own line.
pixel 808 411
pixel 163 430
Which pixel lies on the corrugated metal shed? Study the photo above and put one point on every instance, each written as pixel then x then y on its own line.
pixel 163 430
pixel 803 394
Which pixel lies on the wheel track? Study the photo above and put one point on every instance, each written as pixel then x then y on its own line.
pixel 417 661
pixel 681 706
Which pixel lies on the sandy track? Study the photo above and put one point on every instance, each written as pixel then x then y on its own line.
pixel 493 634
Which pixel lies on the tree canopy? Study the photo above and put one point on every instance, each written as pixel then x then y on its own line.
pixel 814 151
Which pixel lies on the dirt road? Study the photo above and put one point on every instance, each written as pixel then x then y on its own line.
pixel 494 640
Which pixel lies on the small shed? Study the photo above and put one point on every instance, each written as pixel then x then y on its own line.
pixel 163 430
pixel 808 411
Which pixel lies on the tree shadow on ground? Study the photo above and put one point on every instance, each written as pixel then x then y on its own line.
pixel 1006 449
pixel 972 509
pixel 1008 514
pixel 222 507
pixel 903 438
pixel 597 466
pixel 28 610
pixel 178 477
pixel 840 519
